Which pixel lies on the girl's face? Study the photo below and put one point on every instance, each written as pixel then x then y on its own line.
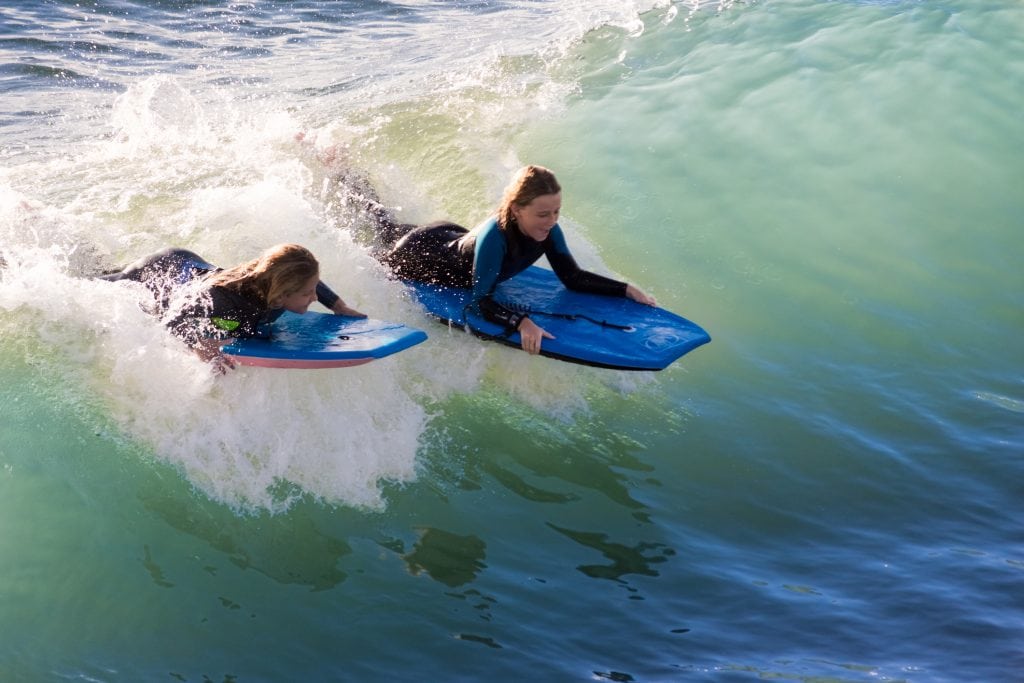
pixel 538 217
pixel 299 301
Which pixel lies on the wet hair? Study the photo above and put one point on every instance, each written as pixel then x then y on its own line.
pixel 527 184
pixel 278 272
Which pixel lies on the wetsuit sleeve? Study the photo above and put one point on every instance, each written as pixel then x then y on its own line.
pixel 574 277
pixel 216 313
pixel 325 295
pixel 487 260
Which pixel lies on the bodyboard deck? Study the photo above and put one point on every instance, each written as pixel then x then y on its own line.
pixel 323 340
pixel 602 331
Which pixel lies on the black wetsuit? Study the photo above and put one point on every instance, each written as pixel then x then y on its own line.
pixel 447 254
pixel 202 311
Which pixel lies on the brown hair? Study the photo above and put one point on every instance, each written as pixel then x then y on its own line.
pixel 527 184
pixel 278 272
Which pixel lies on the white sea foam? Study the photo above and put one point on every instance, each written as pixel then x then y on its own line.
pixel 227 184
pixel 223 171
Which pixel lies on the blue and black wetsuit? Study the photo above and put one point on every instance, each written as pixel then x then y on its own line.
pixel 204 312
pixel 447 254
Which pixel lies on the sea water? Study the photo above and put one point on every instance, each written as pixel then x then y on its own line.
pixel 830 491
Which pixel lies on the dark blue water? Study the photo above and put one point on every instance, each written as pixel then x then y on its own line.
pixel 829 491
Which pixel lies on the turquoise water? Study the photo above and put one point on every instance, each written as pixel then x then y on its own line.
pixel 829 491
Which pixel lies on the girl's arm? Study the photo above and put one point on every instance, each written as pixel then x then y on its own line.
pixel 211 318
pixel 575 278
pixel 326 296
pixel 209 350
pixel 488 256
pixel 487 262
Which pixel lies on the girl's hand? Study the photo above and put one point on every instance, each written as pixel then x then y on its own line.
pixel 639 296
pixel 531 335
pixel 209 351
pixel 341 308
pixel 221 364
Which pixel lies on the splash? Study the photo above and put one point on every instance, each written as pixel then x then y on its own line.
pixel 227 182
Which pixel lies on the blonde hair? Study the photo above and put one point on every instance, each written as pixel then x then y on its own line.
pixel 527 184
pixel 278 272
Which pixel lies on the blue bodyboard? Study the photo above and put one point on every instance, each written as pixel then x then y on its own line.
pixel 603 331
pixel 319 340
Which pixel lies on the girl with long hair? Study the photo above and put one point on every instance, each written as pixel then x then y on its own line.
pixel 207 307
pixel 524 228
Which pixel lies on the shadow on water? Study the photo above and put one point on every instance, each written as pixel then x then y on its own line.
pixel 454 560
pixel 541 459
pixel 624 559
pixel 289 549
pixel 449 558
pixel 559 472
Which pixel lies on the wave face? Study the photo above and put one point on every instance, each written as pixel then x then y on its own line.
pixel 830 188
